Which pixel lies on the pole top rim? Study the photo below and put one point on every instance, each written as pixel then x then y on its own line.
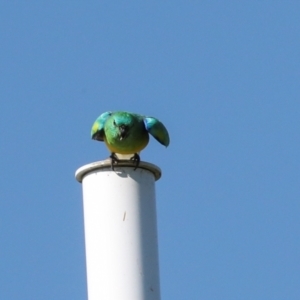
pixel 106 164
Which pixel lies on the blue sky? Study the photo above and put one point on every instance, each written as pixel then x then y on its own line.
pixel 223 76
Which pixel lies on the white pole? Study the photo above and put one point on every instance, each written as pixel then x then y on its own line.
pixel 120 230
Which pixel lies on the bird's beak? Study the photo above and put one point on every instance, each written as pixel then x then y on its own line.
pixel 123 132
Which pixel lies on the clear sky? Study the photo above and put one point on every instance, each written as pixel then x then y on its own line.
pixel 223 76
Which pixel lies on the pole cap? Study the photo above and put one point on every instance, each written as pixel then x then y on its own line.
pixel 106 164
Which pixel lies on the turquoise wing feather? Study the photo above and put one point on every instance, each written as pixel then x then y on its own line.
pixel 157 130
pixel 97 131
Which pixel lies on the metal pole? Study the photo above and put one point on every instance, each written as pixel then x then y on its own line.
pixel 120 230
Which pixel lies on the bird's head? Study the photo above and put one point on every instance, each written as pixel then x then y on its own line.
pixel 122 123
pixel 122 128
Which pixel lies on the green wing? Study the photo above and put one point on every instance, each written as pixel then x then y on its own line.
pixel 97 131
pixel 157 130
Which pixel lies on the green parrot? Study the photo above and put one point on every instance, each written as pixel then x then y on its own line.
pixel 127 133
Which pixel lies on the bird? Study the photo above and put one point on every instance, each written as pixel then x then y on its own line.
pixel 127 133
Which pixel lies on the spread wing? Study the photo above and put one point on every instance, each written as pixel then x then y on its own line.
pixel 97 131
pixel 157 130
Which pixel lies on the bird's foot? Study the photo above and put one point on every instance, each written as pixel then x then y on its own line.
pixel 137 159
pixel 114 160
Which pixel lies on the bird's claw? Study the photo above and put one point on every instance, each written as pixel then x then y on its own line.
pixel 137 159
pixel 114 160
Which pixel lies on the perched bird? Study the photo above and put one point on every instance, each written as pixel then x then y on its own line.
pixel 127 133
